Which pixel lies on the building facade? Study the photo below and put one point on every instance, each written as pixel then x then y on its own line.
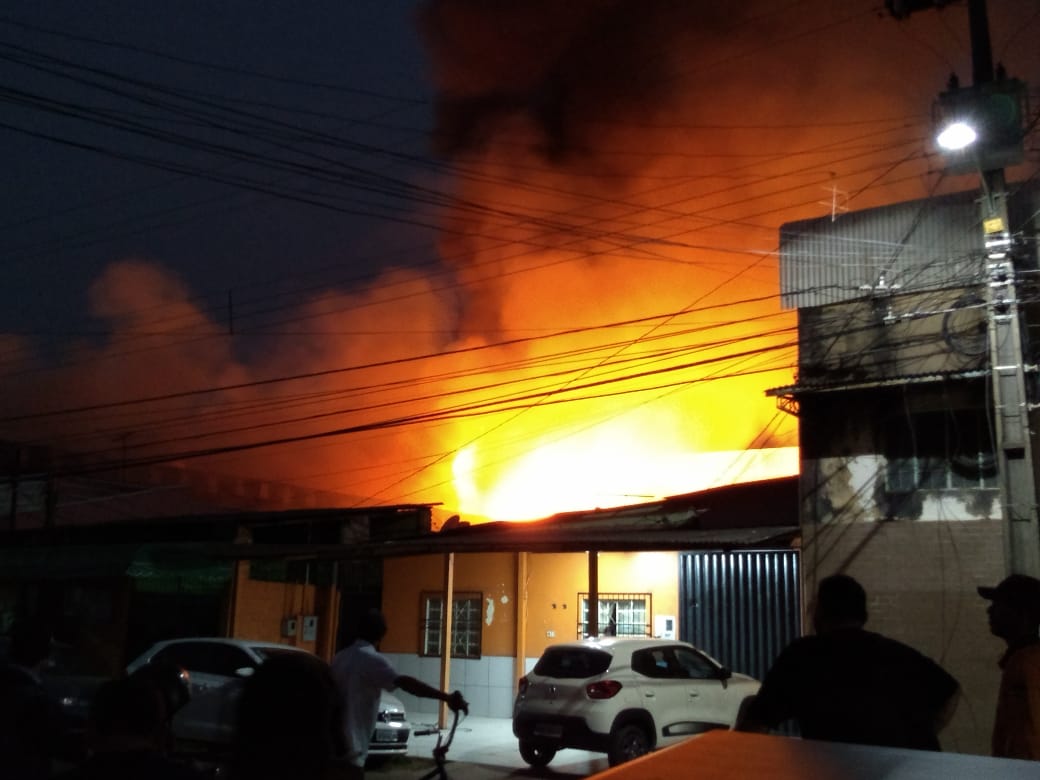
pixel 715 568
pixel 901 476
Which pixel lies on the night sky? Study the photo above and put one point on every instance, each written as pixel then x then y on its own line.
pixel 205 199
pixel 89 88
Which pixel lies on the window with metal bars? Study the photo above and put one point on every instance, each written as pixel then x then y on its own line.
pixel 620 614
pixel 466 624
pixel 943 450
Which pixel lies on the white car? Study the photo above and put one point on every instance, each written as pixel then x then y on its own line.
pixel 216 668
pixel 624 697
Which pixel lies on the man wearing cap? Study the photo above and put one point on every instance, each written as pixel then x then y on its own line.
pixel 1014 616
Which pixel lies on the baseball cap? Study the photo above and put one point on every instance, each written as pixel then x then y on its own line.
pixel 1019 591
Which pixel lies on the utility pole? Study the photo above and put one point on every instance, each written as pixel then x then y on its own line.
pixel 1010 402
pixel 984 100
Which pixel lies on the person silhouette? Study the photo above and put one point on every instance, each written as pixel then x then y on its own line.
pixel 361 673
pixel 289 722
pixel 171 683
pixel 1014 616
pixel 30 721
pixel 846 684
pixel 127 734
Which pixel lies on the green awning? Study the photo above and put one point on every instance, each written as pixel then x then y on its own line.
pixel 180 568
pixel 154 567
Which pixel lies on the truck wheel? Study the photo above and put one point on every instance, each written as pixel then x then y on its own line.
pixel 627 742
pixel 537 754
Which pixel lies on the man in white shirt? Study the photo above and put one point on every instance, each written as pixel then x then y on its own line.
pixel 362 673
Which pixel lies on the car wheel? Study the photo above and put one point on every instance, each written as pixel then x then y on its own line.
pixel 537 754
pixel 627 742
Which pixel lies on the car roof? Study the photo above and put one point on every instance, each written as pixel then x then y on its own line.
pixel 245 644
pixel 225 640
pixel 612 643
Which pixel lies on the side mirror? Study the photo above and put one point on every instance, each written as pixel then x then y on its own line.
pixel 724 674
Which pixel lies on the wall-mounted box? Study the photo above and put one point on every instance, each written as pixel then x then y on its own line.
pixel 664 626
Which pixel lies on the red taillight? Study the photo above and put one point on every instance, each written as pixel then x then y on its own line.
pixel 604 689
pixel 521 687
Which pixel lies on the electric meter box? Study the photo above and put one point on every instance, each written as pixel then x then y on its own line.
pixel 664 626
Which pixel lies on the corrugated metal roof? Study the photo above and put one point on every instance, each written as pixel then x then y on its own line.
pixel 520 537
pixel 805 388
pixel 760 514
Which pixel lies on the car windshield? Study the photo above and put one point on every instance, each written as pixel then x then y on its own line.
pixel 574 662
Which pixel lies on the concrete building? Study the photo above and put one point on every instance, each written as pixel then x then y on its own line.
pixel 901 476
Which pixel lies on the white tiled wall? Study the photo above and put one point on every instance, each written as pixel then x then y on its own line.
pixel 487 684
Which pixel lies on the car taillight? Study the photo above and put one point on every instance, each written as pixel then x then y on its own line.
pixel 521 687
pixel 604 689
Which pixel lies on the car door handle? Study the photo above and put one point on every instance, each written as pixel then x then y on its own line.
pixel 694 694
pixel 649 694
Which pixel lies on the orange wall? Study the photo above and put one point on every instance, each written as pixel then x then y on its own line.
pixel 555 580
pixel 261 606
pixel 491 574
pixel 552 579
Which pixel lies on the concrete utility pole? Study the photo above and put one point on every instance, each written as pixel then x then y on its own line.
pixel 1010 401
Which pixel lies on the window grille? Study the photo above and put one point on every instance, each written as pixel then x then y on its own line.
pixel 946 450
pixel 620 614
pixel 466 624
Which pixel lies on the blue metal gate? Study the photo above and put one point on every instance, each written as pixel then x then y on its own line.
pixel 741 607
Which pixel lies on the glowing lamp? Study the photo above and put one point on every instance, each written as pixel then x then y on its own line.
pixel 980 128
pixel 956 136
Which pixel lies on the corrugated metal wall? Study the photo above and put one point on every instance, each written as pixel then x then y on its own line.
pixel 741 607
pixel 913 246
pixel 917 245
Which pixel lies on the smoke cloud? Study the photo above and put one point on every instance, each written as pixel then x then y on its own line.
pixel 611 161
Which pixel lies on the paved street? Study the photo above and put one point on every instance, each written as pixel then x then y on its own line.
pixel 483 748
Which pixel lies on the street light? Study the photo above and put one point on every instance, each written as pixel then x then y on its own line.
pixel 956 135
pixel 979 128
